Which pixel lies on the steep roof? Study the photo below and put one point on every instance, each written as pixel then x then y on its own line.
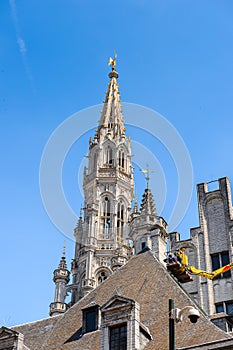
pixel 144 280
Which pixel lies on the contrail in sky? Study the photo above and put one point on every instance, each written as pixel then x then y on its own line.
pixel 20 41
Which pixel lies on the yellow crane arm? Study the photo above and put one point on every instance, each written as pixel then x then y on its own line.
pixel 206 274
pixel 209 275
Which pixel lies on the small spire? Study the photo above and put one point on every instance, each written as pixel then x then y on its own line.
pixel 64 249
pixel 62 264
pixel 147 173
pixel 81 213
pixel 148 206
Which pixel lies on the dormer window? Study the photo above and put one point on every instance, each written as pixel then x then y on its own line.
pixel 118 337
pixel 121 328
pixel 90 318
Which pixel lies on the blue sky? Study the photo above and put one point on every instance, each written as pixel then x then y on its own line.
pixel 174 57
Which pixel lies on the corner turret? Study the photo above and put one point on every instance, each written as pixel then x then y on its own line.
pixel 61 277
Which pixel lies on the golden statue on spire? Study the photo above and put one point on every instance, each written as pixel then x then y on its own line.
pixel 112 62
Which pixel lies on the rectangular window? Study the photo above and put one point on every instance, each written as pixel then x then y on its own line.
pixel 226 306
pixel 229 308
pixel 118 338
pixel 219 308
pixel 90 319
pixel 215 262
pixel 220 260
pixel 143 245
pixel 225 261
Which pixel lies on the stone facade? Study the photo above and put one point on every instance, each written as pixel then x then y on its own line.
pixel 210 247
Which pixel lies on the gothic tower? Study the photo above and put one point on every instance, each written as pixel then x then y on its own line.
pixel 108 232
pixel 102 233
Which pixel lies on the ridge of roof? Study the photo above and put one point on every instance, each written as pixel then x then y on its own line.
pixel 32 322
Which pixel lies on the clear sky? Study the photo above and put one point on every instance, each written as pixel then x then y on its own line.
pixel 174 57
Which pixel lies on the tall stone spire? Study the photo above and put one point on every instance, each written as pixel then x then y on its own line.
pixel 111 123
pixel 102 244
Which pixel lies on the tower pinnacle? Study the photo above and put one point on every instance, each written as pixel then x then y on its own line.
pixel 111 123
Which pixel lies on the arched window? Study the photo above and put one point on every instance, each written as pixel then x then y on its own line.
pixel 120 221
pixel 102 276
pixel 121 159
pixel 109 156
pixel 106 217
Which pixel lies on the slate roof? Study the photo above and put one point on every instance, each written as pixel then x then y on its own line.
pixel 143 279
pixel 35 333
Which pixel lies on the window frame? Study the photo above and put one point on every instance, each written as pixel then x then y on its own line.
pixel 219 260
pixel 106 217
pixel 117 341
pixel 224 307
pixel 91 311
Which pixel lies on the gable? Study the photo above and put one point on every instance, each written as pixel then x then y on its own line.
pixel 7 338
pixel 116 302
pixel 7 333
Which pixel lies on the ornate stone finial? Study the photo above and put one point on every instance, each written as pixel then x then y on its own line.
pixel 62 264
pixel 112 62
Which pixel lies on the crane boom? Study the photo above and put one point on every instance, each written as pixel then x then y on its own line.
pixel 181 268
pixel 209 275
